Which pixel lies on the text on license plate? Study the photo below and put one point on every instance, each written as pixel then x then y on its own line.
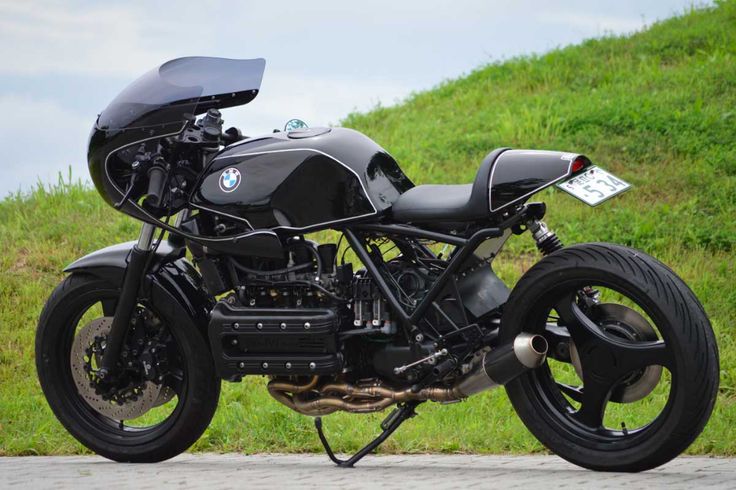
pixel 594 186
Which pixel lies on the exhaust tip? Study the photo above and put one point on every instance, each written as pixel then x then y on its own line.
pixel 504 363
pixel 539 345
pixel 530 349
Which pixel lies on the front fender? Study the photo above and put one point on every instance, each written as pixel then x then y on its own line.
pixel 109 262
pixel 171 283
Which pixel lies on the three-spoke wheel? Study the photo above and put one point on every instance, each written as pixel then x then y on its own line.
pixel 632 373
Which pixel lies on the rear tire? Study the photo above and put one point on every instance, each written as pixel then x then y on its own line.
pixel 684 328
pixel 196 405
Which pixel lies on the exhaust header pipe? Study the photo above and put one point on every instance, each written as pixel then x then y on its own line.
pixel 497 367
pixel 505 363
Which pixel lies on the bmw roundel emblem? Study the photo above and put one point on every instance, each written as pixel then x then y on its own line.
pixel 229 179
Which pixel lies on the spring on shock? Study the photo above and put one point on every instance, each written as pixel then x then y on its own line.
pixel 549 244
pixel 547 241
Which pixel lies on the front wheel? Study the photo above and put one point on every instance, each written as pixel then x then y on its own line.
pixel 632 375
pixel 164 391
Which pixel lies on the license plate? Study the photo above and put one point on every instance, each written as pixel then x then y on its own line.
pixel 594 186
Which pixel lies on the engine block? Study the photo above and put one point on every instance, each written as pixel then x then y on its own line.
pixel 274 341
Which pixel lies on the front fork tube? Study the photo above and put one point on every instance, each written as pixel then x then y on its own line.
pixel 134 273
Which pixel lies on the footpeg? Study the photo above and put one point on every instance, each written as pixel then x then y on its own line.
pixel 432 358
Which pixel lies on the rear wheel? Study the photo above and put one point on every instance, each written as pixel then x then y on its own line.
pixel 632 375
pixel 165 391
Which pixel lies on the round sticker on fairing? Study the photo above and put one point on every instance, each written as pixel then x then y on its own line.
pixel 229 179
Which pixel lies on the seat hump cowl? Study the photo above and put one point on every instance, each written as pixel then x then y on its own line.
pixel 518 174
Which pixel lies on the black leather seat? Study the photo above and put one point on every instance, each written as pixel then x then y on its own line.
pixel 458 202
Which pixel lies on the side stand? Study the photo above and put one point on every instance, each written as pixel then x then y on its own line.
pixel 397 417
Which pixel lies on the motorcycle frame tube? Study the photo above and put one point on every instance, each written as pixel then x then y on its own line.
pixel 465 247
pixel 411 231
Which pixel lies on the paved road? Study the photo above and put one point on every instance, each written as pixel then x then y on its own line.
pixel 214 471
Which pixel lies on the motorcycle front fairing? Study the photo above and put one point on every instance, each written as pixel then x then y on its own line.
pixel 159 104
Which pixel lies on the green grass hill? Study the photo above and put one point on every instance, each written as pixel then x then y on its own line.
pixel 657 108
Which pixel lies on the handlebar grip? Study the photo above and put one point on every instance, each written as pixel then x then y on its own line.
pixel 156 181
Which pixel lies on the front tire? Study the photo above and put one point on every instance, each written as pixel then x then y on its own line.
pixel 685 345
pixel 196 399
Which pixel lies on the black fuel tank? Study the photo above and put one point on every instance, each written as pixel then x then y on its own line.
pixel 301 180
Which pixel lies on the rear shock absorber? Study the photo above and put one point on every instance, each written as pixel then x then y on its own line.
pixel 547 241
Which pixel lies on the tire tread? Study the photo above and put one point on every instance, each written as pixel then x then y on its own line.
pixel 690 326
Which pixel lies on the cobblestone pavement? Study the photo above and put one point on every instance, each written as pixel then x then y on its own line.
pixel 214 471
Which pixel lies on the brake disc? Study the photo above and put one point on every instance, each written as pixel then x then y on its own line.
pixel 145 397
pixel 625 323
pixel 166 394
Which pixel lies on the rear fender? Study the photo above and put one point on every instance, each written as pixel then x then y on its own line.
pixel 518 174
pixel 481 290
pixel 172 283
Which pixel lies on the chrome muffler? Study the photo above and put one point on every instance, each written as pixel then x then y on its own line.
pixel 504 363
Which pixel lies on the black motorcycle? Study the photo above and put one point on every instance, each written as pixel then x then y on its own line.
pixel 606 354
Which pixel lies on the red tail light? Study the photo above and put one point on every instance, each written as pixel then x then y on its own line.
pixel 578 165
